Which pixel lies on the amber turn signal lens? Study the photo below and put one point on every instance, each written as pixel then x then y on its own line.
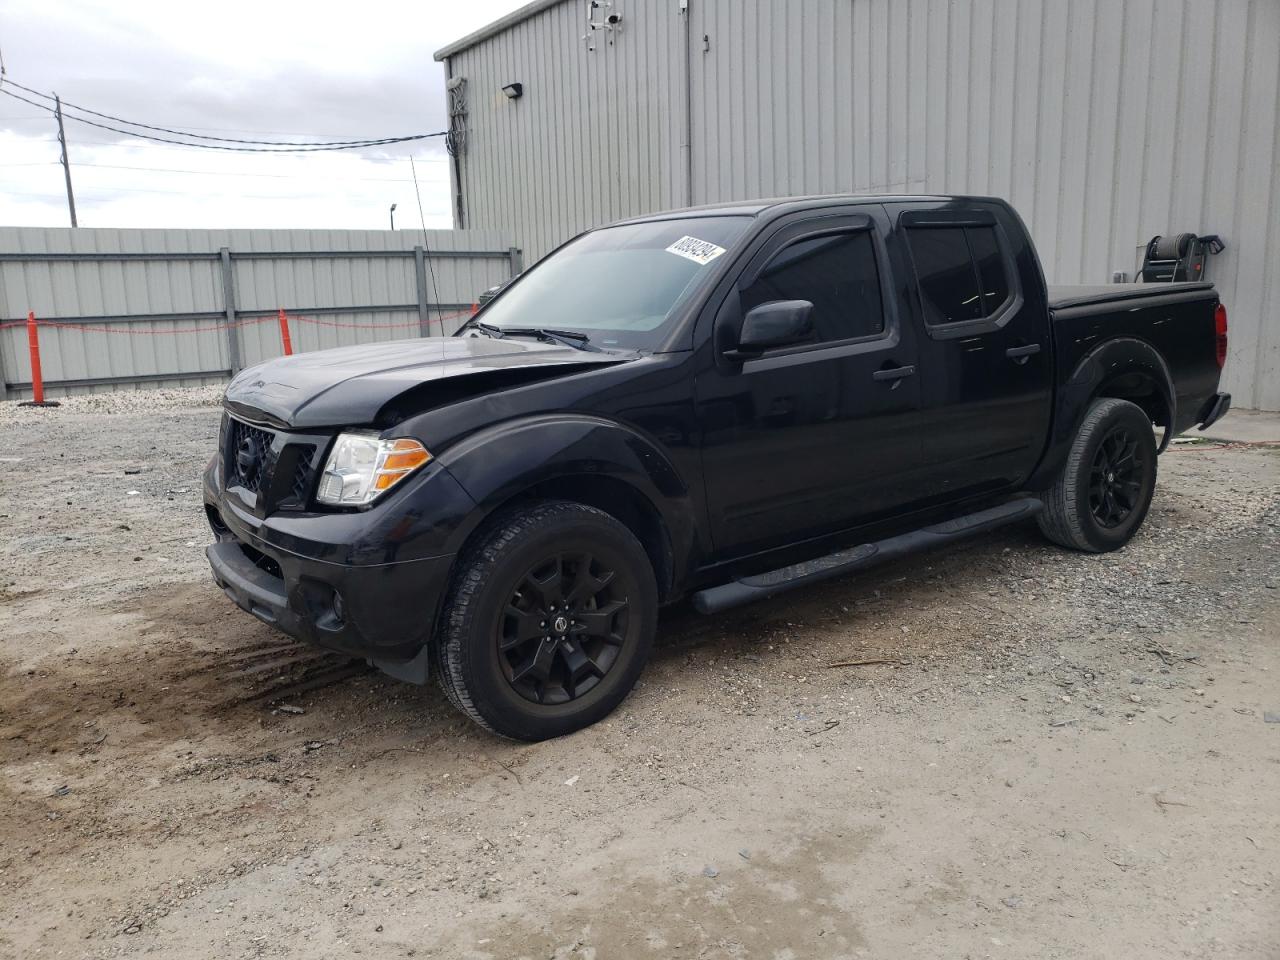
pixel 400 459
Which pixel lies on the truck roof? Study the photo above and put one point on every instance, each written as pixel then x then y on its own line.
pixel 787 204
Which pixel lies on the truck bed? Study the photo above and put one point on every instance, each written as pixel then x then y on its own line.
pixel 1177 319
pixel 1065 295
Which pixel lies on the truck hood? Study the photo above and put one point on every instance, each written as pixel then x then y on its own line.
pixel 352 385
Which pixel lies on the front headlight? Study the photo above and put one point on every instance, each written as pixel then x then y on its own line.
pixel 362 467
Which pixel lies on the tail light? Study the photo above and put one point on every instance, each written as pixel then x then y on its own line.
pixel 1220 334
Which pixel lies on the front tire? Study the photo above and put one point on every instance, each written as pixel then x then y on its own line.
pixel 549 621
pixel 1104 490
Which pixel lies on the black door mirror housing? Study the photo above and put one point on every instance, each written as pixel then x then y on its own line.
pixel 778 323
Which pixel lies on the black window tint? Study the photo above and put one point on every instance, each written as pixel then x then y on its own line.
pixel 837 274
pixel 991 272
pixel 944 268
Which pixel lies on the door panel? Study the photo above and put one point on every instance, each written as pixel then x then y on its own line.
pixel 985 352
pixel 811 439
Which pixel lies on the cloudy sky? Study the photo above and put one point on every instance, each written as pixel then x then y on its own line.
pixel 270 69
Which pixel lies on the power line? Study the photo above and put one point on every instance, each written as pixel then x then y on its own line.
pixel 228 173
pixel 222 173
pixel 201 136
pixel 120 144
pixel 385 141
pixel 33 117
pixel 277 148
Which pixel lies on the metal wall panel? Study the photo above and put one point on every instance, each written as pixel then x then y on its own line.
pixel 182 274
pixel 1104 123
pixel 590 140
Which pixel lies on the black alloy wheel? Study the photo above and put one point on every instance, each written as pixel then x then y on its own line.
pixel 1103 492
pixel 548 622
pixel 1116 478
pixel 562 628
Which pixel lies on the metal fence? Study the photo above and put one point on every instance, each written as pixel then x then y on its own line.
pixel 182 307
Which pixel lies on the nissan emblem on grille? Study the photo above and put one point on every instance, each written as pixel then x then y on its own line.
pixel 248 452
pixel 247 456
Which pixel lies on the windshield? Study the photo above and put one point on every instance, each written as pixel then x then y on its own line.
pixel 620 286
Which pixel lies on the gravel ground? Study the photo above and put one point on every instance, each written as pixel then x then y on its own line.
pixel 1051 754
pixel 143 402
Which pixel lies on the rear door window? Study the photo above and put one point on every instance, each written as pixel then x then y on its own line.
pixel 960 271
pixel 992 278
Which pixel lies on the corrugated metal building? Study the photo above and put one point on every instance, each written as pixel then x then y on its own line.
pixel 1104 122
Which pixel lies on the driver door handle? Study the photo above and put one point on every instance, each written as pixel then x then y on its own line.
pixel 896 373
pixel 1024 351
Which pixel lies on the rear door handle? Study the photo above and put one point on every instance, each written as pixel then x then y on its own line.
pixel 1021 353
pixel 897 373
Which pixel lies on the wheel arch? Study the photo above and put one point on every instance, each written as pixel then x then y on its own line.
pixel 1125 368
pixel 610 495
pixel 1145 382
pixel 599 463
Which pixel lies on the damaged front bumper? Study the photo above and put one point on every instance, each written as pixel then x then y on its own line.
pixel 337 580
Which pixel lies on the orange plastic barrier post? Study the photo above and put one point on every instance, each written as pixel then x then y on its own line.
pixel 475 308
pixel 284 334
pixel 37 378
pixel 33 344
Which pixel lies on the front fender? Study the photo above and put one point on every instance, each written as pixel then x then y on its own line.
pixel 501 462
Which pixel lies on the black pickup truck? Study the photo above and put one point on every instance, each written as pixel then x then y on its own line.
pixel 722 404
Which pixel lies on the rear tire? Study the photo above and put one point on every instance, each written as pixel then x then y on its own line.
pixel 548 622
pixel 1104 490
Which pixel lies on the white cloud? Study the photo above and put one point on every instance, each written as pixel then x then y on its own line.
pixel 264 70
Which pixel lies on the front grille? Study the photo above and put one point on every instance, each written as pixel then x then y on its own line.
pixel 247 451
pixel 272 470
pixel 302 473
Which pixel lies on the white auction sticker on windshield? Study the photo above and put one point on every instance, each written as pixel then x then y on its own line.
pixel 699 251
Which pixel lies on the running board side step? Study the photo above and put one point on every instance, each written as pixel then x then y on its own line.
pixel 747 589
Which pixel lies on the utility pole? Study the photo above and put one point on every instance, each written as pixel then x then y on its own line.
pixel 66 164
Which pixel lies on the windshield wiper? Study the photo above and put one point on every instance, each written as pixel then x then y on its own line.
pixel 486 328
pixel 569 338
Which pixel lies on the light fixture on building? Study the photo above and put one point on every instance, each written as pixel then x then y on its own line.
pixel 514 91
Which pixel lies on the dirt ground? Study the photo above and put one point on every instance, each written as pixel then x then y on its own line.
pixel 1068 756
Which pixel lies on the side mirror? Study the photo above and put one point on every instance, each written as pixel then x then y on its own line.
pixel 779 323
